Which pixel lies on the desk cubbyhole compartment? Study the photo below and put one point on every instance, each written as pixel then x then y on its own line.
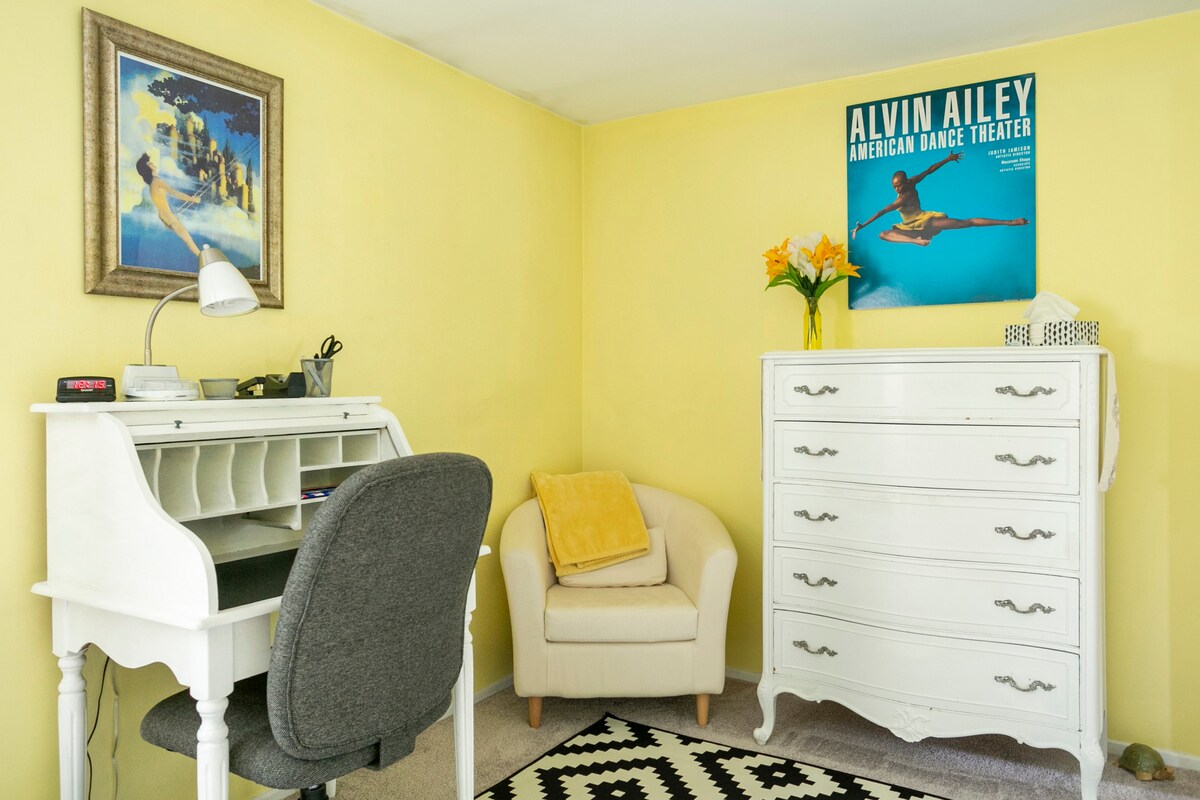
pixel 149 458
pixel 360 448
pixel 282 517
pixel 214 477
pixel 318 451
pixel 250 474
pixel 249 580
pixel 281 470
pixel 325 477
pixel 177 481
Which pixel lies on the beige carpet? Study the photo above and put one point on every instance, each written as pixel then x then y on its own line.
pixel 826 734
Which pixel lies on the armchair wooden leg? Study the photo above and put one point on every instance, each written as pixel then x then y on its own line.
pixel 535 712
pixel 702 709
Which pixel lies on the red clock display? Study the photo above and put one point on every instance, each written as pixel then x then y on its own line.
pixel 86 389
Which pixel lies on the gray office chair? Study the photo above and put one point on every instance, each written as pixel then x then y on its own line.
pixel 369 640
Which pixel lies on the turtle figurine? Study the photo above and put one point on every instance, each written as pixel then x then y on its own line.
pixel 1145 763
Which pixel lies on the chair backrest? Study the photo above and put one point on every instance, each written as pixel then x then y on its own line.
pixel 370 633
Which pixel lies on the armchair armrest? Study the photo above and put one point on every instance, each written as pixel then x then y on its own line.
pixel 528 573
pixel 701 558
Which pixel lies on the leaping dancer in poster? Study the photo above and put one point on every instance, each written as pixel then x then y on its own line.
pixel 159 189
pixel 918 226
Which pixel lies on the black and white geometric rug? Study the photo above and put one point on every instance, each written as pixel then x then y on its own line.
pixel 619 760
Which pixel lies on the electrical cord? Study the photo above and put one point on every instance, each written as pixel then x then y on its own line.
pixel 87 747
pixel 116 701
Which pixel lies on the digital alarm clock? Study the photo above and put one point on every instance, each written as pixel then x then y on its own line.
pixel 86 389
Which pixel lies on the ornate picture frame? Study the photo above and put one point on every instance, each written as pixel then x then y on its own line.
pixel 181 149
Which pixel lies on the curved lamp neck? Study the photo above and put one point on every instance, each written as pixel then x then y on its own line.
pixel 154 314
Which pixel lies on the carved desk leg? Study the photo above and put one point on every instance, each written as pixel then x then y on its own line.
pixel 212 750
pixel 72 724
pixel 464 710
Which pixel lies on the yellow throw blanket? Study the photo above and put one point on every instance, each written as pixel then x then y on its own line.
pixel 592 520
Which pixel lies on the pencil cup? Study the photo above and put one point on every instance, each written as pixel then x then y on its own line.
pixel 318 376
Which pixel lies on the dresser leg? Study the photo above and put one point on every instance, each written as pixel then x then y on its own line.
pixel 1091 766
pixel 766 699
pixel 212 750
pixel 72 722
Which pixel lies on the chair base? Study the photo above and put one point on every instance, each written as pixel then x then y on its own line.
pixel 314 793
pixel 702 709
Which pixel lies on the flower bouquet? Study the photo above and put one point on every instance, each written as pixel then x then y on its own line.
pixel 810 265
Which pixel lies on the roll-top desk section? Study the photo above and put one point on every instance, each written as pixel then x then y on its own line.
pixel 933 542
pixel 170 532
pixel 186 509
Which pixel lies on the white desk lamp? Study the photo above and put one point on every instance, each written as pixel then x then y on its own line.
pixel 224 292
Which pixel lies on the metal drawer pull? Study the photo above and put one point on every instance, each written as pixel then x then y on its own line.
pixel 819 392
pixel 1007 530
pixel 803 576
pixel 1011 459
pixel 822 651
pixel 803 514
pixel 1009 604
pixel 824 451
pixel 1008 681
pixel 1032 392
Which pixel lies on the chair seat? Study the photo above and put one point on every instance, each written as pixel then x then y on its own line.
pixel 253 751
pixel 660 613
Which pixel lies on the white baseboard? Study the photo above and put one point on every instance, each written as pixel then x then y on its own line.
pixel 1115 748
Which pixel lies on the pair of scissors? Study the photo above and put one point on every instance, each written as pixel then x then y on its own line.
pixel 329 348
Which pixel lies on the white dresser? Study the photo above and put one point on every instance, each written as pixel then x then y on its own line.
pixel 933 542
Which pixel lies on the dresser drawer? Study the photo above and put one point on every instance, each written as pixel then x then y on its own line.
pixel 930 598
pixel 985 528
pixel 936 391
pixel 1030 684
pixel 1023 459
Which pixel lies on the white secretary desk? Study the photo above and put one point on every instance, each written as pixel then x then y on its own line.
pixel 170 531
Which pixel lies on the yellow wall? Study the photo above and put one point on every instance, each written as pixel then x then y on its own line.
pixel 431 221
pixel 678 206
pixel 437 225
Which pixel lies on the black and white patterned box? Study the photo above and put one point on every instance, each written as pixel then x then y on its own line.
pixel 1061 332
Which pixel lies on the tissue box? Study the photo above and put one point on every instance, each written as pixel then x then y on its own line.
pixel 1062 332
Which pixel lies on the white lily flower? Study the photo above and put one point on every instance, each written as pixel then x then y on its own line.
pixel 828 272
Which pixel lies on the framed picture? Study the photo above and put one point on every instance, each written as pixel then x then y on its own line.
pixel 181 149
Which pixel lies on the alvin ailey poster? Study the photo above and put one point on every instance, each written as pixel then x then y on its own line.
pixel 940 195
pixel 189 150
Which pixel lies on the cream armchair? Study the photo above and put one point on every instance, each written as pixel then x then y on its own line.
pixel 643 641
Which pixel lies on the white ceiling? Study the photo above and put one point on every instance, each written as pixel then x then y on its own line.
pixel 597 60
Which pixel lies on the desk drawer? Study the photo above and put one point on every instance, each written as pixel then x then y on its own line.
pixel 1018 459
pixel 1031 684
pixel 1012 606
pixel 944 391
pixel 989 528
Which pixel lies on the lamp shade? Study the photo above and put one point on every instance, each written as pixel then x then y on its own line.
pixel 224 292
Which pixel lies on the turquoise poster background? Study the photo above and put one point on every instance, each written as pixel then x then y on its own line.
pixel 941 195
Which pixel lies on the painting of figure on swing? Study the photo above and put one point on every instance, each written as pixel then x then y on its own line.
pixel 189 172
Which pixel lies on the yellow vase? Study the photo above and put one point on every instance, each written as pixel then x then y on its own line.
pixel 812 325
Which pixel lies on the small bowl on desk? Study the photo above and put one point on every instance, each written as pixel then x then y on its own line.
pixel 219 388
